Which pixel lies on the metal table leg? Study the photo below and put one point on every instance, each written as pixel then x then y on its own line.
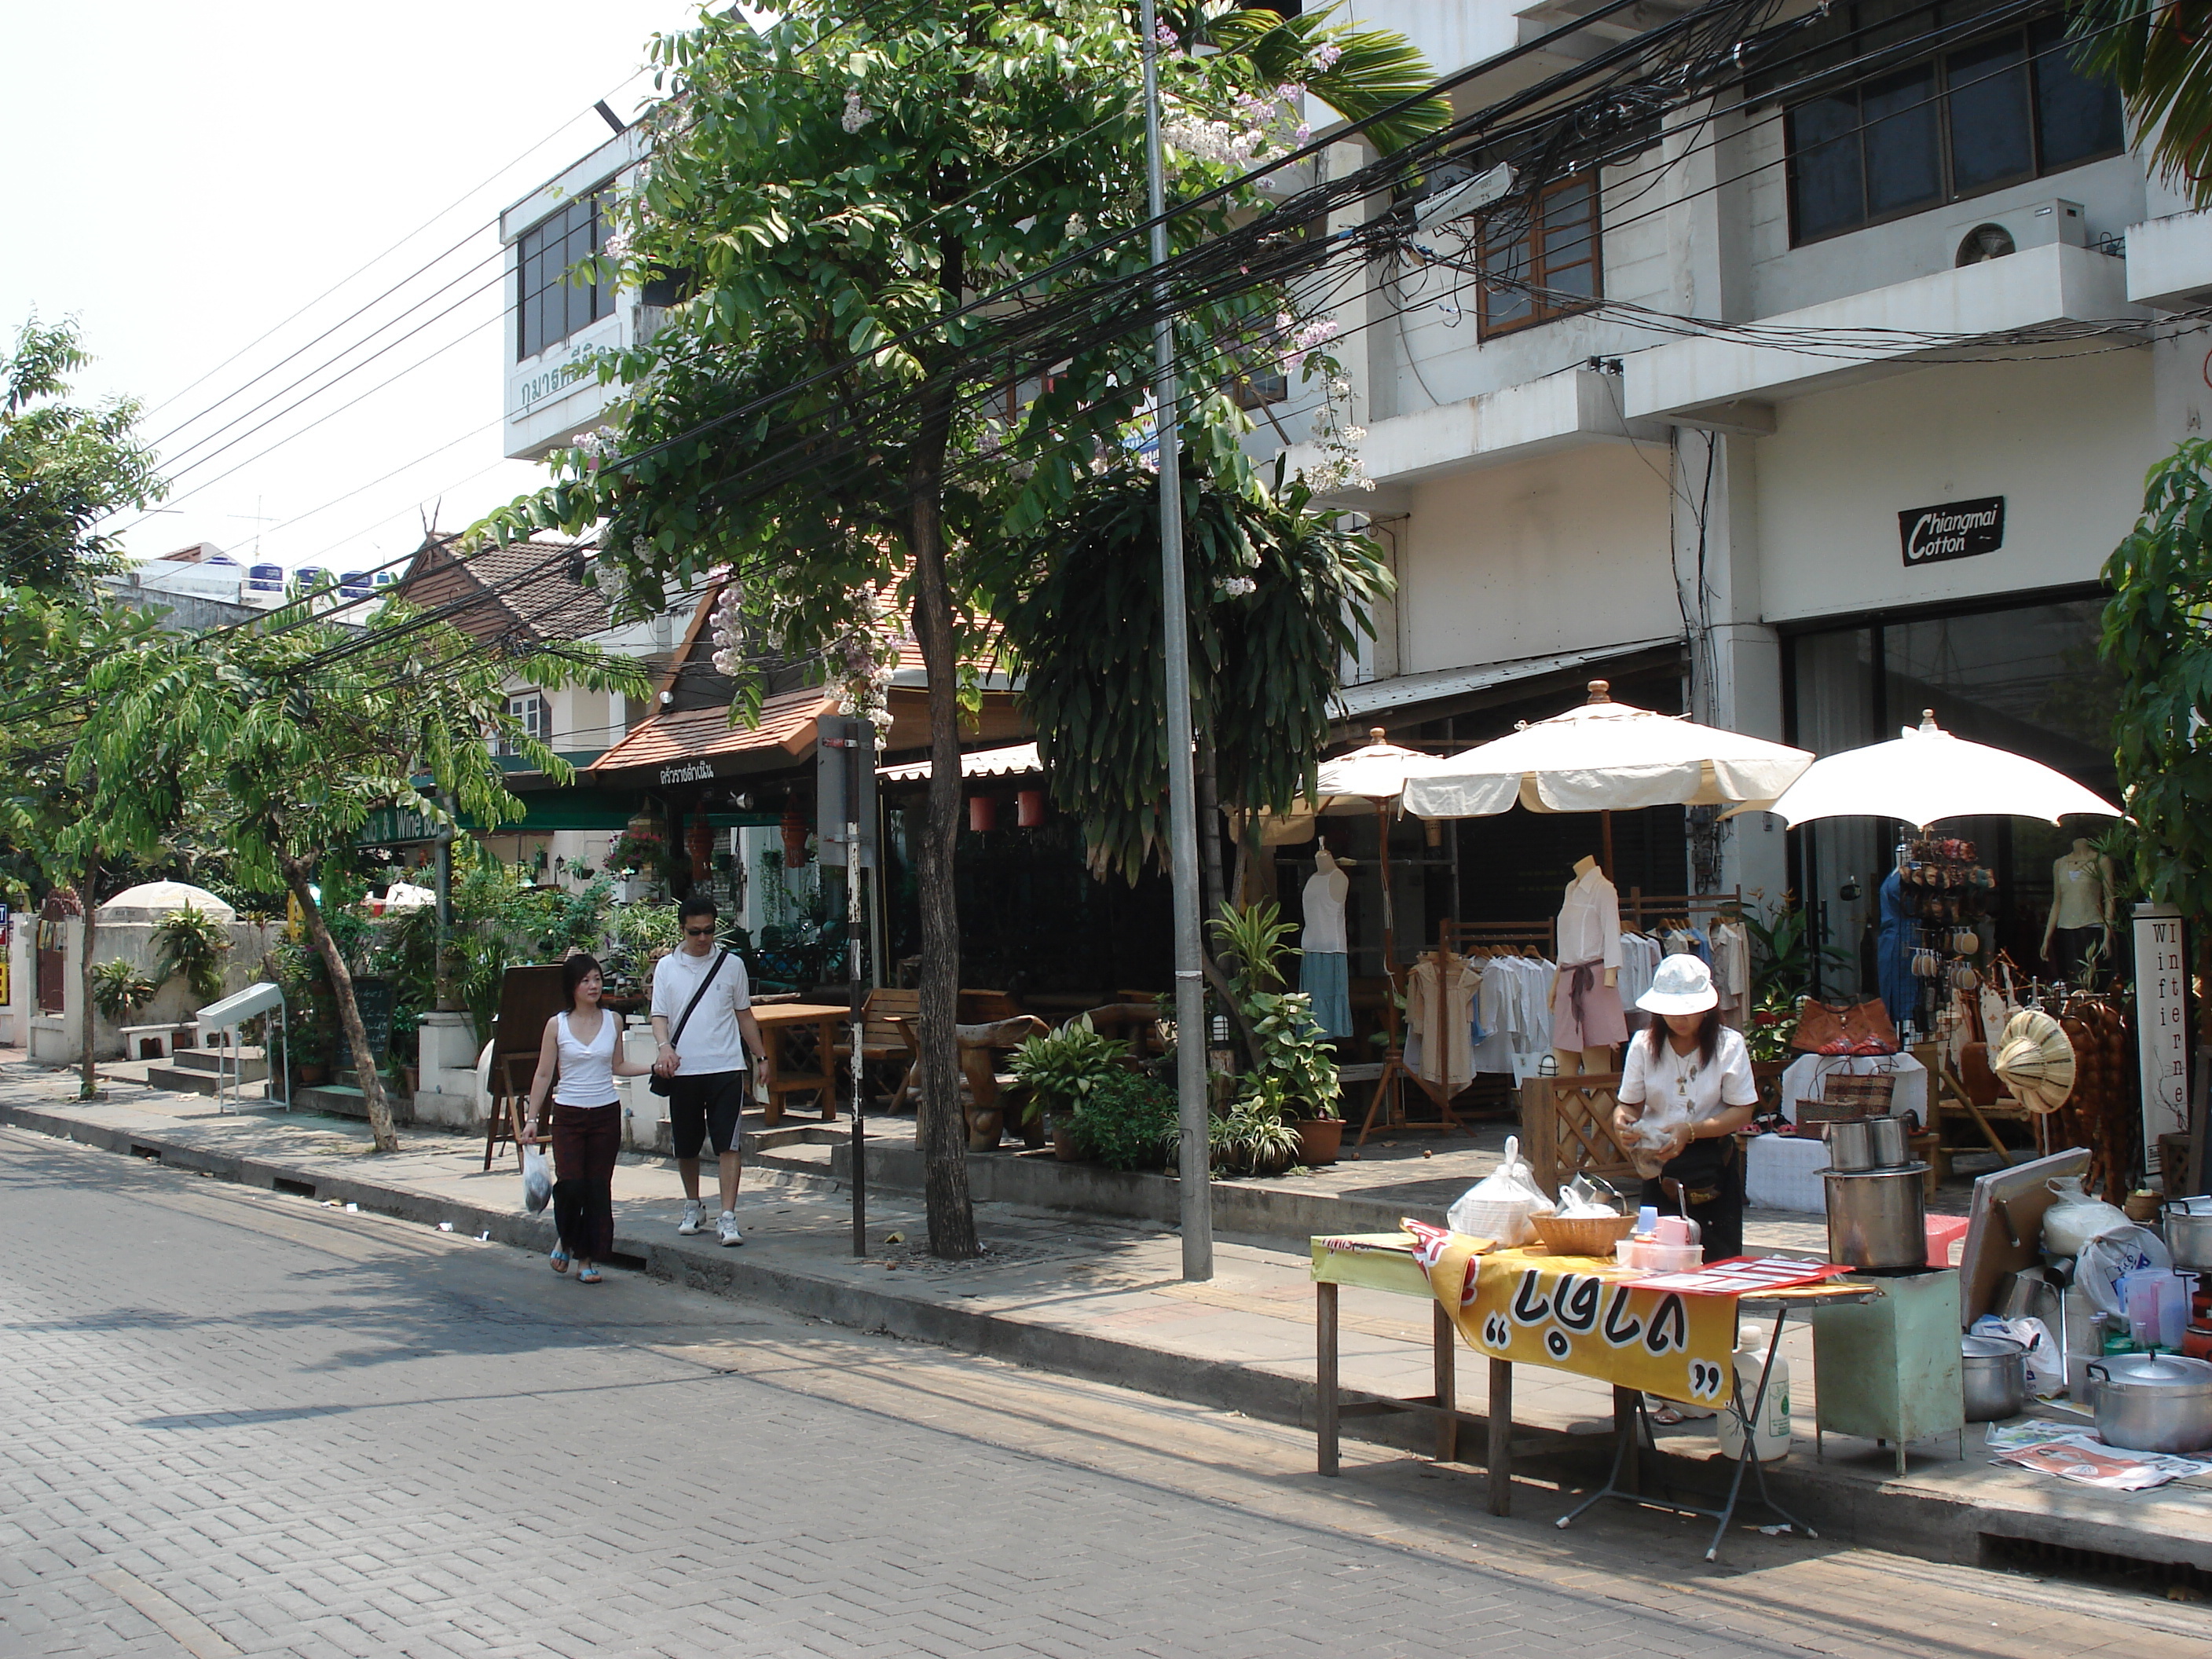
pixel 1325 1386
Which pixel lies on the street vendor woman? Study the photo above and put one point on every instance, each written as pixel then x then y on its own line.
pixel 1685 1089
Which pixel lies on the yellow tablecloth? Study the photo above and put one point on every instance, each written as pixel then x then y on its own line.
pixel 1570 1313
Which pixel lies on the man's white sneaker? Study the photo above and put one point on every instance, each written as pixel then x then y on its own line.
pixel 693 1212
pixel 728 1228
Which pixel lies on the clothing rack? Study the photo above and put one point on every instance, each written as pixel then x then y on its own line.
pixel 1639 908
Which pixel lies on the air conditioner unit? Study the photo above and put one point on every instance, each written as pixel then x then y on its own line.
pixel 2032 224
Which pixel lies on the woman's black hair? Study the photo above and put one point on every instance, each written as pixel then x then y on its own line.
pixel 1709 1035
pixel 573 972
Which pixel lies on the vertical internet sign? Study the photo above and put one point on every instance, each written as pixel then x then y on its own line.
pixel 2161 1023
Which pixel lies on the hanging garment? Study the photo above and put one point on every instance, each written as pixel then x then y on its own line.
pixel 1639 961
pixel 1444 1052
pixel 1893 957
pixel 1589 921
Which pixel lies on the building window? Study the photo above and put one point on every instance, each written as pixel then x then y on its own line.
pixel 551 307
pixel 1548 254
pixel 1980 114
pixel 534 714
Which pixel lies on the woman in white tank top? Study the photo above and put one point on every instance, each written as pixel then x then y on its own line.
pixel 577 1064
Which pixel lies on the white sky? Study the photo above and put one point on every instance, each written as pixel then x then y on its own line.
pixel 182 178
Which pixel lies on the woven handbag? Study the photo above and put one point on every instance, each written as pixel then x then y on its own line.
pixel 1854 1028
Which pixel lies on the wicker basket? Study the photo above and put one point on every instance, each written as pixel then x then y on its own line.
pixel 1594 1236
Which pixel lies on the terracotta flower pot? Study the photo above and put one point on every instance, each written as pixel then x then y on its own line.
pixel 1320 1140
pixel 1063 1140
pixel 312 1072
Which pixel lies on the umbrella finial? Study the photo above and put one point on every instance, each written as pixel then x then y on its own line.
pixel 1375 734
pixel 1601 691
pixel 1928 722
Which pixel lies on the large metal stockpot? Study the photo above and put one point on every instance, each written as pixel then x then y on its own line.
pixel 2153 1402
pixel 2189 1233
pixel 1878 1217
pixel 1994 1371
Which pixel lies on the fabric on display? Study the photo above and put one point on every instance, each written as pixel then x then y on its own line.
pixel 1323 906
pixel 1586 1012
pixel 1893 955
pixel 1640 956
pixel 1582 1315
pixel 1444 1056
pixel 1731 959
pixel 1326 976
pixel 1513 1012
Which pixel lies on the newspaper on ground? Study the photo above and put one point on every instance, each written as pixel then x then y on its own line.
pixel 2063 1449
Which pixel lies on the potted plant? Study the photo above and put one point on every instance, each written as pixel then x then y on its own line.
pixel 1059 1069
pixel 1292 1056
pixel 1253 1138
pixel 191 945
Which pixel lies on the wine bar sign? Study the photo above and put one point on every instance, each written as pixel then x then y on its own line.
pixel 1952 530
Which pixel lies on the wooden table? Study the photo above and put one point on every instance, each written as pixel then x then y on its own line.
pixel 1378 1268
pixel 781 1023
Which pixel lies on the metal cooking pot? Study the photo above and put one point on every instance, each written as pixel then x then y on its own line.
pixel 2189 1233
pixel 1857 1144
pixel 1994 1371
pixel 1877 1218
pixel 2153 1402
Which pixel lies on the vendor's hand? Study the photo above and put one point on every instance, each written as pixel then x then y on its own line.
pixel 1624 1121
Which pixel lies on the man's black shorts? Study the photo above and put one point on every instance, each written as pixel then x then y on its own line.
pixel 705 1108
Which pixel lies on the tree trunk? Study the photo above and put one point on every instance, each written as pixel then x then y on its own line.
pixel 87 1086
pixel 364 1062
pixel 940 1129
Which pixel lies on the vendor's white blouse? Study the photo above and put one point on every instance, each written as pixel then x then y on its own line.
pixel 1686 1088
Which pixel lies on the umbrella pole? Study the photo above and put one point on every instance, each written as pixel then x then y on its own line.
pixel 1605 844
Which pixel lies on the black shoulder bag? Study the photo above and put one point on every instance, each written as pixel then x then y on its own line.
pixel 665 1085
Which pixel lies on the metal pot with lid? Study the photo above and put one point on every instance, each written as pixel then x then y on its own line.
pixel 2189 1233
pixel 1994 1372
pixel 2153 1402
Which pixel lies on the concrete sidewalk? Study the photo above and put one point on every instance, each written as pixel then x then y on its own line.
pixel 1097 1299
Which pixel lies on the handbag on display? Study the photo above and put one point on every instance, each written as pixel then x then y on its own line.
pixel 1852 1027
pixel 665 1085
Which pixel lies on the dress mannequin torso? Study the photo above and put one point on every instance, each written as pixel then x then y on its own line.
pixel 2082 883
pixel 1587 1018
pixel 1325 892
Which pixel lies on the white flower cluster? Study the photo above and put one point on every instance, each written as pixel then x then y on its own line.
pixel 857 112
pixel 1303 337
pixel 729 626
pixel 596 445
pixel 1339 468
pixel 617 243
pixel 1261 126
pixel 1236 587
pixel 868 656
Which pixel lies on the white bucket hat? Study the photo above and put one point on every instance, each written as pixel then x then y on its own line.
pixel 1683 985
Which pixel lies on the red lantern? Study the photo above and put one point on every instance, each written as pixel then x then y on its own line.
pixel 794 838
pixel 1029 805
pixel 982 814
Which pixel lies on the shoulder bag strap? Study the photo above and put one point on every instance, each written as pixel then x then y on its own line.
pixel 676 1035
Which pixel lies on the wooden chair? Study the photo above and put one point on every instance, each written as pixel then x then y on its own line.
pixel 988 1007
pixel 1137 1023
pixel 883 1040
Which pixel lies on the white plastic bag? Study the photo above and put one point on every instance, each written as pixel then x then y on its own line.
pixel 2110 1257
pixel 2045 1366
pixel 537 1179
pixel 1498 1206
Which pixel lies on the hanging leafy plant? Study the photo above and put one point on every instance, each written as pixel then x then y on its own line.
pixel 191 945
pixel 1277 598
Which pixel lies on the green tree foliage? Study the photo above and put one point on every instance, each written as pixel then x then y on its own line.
pixel 64 470
pixel 2160 54
pixel 302 731
pixel 2158 638
pixel 1277 598
pixel 824 421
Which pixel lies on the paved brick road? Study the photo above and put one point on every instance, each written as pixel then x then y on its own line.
pixel 241 1423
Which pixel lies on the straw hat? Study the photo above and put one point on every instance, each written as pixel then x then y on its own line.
pixel 2035 1060
pixel 1684 985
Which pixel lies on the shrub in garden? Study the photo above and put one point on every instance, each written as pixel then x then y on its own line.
pixel 1128 1122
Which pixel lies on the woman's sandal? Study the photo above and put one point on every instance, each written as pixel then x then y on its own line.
pixel 589 1276
pixel 559 1259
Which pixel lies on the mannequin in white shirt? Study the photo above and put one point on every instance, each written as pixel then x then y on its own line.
pixel 1322 966
pixel 1590 931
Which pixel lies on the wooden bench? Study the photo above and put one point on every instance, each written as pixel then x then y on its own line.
pixel 884 1042
pixel 159 1041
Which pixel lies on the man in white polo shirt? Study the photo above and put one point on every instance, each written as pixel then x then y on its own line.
pixel 705 1062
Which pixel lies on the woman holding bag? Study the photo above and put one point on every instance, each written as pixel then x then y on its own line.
pixel 583 1049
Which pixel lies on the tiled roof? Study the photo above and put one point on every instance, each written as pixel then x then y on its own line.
pixel 786 723
pixel 528 585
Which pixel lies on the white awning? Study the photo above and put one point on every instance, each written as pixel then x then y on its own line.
pixel 1013 761
pixel 1403 690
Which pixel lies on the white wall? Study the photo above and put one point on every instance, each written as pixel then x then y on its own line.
pixel 55 1037
pixel 1551 554
pixel 2065 442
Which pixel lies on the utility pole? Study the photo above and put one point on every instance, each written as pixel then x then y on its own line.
pixel 1194 1163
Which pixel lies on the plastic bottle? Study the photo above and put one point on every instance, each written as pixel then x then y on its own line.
pixel 1770 1434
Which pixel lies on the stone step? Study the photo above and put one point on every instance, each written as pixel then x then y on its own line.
pixel 203 1080
pixel 343 1100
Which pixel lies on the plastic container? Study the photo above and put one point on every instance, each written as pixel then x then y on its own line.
pixel 1648 1256
pixel 1770 1435
pixel 2158 1309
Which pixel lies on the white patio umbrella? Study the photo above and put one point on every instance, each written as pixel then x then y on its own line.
pixel 407 896
pixel 1926 775
pixel 1371 779
pixel 1605 757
